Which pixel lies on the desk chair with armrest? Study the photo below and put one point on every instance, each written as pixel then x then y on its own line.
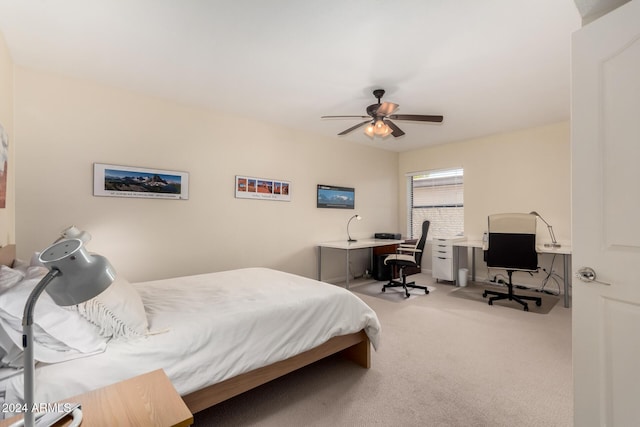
pixel 512 246
pixel 407 256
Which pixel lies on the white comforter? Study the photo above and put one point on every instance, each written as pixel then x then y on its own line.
pixel 211 327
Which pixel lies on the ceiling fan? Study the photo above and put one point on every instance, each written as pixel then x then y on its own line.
pixel 379 118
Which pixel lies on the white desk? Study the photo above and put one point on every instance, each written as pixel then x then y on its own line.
pixel 564 250
pixel 347 246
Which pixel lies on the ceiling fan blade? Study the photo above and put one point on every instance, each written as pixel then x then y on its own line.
pixel 396 131
pixel 344 117
pixel 416 117
pixel 344 132
pixel 386 108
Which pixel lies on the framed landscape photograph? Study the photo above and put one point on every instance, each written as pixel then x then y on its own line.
pixel 262 189
pixel 127 181
pixel 331 196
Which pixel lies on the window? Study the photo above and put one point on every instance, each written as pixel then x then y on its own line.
pixel 436 196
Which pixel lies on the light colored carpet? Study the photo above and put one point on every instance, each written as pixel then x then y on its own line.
pixel 474 292
pixel 390 294
pixel 443 361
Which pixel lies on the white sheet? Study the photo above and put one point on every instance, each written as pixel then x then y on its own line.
pixel 218 325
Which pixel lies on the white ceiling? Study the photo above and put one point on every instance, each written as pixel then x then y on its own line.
pixel 488 66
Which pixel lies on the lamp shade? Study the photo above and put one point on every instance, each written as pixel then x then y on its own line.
pixel 74 232
pixel 538 215
pixel 378 128
pixel 369 130
pixel 81 276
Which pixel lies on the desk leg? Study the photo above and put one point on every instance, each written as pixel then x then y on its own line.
pixel 456 266
pixel 320 263
pixel 347 286
pixel 567 278
pixel 473 264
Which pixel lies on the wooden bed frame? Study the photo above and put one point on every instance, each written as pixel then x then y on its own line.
pixel 354 346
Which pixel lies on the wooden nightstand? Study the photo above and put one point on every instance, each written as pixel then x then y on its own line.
pixel 146 400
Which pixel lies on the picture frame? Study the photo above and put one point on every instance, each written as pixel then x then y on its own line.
pixel 248 187
pixel 335 197
pixel 137 182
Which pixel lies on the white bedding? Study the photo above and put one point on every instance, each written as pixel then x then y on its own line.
pixel 211 327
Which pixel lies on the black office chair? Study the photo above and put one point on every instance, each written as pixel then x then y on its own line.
pixel 407 256
pixel 512 246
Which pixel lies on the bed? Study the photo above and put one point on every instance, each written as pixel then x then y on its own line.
pixel 216 335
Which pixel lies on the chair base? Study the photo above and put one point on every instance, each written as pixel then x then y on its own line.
pixel 511 296
pixel 395 284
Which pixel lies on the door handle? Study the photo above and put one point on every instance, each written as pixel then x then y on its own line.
pixel 588 275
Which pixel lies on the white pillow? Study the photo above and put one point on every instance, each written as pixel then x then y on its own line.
pixel 10 353
pixel 30 270
pixel 19 264
pixel 118 311
pixel 9 278
pixel 59 333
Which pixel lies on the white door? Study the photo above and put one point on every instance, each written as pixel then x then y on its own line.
pixel 605 108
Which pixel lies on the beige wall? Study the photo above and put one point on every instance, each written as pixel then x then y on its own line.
pixel 65 125
pixel 7 215
pixel 512 172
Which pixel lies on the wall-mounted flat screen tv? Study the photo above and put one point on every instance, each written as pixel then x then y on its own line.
pixel 330 196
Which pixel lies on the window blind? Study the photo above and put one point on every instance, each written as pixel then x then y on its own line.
pixel 437 196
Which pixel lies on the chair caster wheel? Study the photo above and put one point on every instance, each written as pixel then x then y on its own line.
pixel 484 295
pixel 490 302
pixel 526 308
pixel 384 289
pixel 426 292
pixel 407 295
pixel 538 303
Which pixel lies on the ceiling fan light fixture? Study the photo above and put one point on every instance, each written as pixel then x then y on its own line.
pixel 369 130
pixel 379 128
pixel 387 131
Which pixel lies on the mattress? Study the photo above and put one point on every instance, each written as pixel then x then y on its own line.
pixel 210 327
